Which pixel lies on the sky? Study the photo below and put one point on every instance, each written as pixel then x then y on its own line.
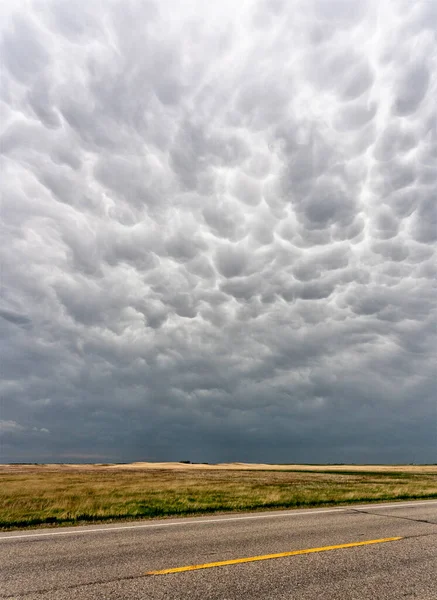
pixel 218 231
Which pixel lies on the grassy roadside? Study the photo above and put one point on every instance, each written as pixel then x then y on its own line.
pixel 53 497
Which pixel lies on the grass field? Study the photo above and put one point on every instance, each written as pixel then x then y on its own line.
pixel 35 495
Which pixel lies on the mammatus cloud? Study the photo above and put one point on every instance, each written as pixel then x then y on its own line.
pixel 219 230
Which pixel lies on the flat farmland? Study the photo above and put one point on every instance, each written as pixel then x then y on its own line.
pixel 41 495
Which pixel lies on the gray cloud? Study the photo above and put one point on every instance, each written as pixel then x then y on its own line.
pixel 218 231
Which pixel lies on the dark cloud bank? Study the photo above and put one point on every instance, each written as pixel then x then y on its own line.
pixel 218 231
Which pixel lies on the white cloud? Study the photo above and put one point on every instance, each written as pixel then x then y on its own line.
pixel 10 427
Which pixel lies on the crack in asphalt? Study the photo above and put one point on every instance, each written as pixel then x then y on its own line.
pixel 72 587
pixel 367 512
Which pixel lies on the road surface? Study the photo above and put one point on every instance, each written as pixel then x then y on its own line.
pixel 384 551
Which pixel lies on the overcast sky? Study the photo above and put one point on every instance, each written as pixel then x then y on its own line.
pixel 218 230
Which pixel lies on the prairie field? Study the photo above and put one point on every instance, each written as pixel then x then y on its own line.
pixel 49 495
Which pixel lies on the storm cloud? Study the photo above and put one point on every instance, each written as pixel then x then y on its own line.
pixel 218 230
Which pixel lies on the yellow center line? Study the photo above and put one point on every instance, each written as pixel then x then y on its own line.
pixel 237 561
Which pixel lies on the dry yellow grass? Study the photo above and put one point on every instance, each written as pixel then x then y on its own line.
pixel 32 495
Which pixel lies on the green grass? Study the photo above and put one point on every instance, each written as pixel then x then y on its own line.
pixel 55 497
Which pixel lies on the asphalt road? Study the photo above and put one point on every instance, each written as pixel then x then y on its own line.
pixel 111 561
